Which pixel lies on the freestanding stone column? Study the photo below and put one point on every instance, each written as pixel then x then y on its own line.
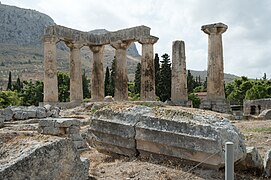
pixel 121 79
pixel 97 77
pixel 76 87
pixel 179 80
pixel 147 91
pixel 50 70
pixel 215 76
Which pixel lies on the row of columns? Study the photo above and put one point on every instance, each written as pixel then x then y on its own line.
pixel 97 76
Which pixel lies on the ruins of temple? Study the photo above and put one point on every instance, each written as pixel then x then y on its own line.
pixel 120 40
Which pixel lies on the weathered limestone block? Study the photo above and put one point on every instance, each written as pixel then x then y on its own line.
pixel 7 114
pixel 65 127
pixel 42 157
pixel 114 131
pixel 184 133
pixel 267 164
pixel 266 114
pixel 253 163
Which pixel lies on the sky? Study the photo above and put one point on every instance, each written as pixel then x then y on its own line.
pixel 246 43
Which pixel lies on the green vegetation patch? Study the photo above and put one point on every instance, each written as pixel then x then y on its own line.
pixel 264 129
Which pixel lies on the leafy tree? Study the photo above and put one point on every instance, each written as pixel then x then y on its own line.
pixel 164 83
pixel 32 93
pixel 112 77
pixel 107 82
pixel 195 100
pixel 9 81
pixel 9 98
pixel 156 72
pixel 257 92
pixel 200 89
pixel 63 86
pixel 137 80
pixel 264 76
pixel 85 84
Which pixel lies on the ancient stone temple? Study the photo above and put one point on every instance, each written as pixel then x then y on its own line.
pixel 120 40
pixel 215 75
pixel 178 78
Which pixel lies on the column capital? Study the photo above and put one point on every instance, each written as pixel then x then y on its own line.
pixel 50 39
pixel 73 45
pixel 96 48
pixel 216 28
pixel 120 44
pixel 148 40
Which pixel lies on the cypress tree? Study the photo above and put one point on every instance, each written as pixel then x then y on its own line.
pixel 164 83
pixel 85 84
pixel 137 80
pixel 190 82
pixel 107 83
pixel 112 77
pixel 9 81
pixel 156 71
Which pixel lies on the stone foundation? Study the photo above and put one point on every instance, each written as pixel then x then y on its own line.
pixel 221 106
pixel 65 127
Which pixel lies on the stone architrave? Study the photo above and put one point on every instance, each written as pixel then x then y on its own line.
pixel 147 91
pixel 121 79
pixel 215 76
pixel 97 77
pixel 50 70
pixel 76 88
pixel 179 79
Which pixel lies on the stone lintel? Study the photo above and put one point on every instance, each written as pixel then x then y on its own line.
pixel 87 38
pixel 148 40
pixel 216 28
pixel 74 45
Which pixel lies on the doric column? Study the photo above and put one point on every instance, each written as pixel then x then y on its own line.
pixel 178 77
pixel 121 79
pixel 147 91
pixel 215 76
pixel 97 77
pixel 50 70
pixel 76 87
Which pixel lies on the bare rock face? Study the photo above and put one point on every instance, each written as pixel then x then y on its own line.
pixel 41 157
pixel 253 163
pixel 177 132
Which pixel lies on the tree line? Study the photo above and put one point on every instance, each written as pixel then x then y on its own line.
pixel 31 93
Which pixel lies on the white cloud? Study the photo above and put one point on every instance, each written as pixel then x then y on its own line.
pixel 247 42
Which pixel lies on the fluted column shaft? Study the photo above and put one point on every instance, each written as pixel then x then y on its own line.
pixel 97 77
pixel 76 87
pixel 121 78
pixel 147 91
pixel 50 70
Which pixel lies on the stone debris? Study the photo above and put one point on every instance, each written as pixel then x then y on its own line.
pixel 28 112
pixel 1 122
pixel 253 163
pixel 41 157
pixel 65 127
pixel 177 132
pixel 265 114
pixel 267 164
